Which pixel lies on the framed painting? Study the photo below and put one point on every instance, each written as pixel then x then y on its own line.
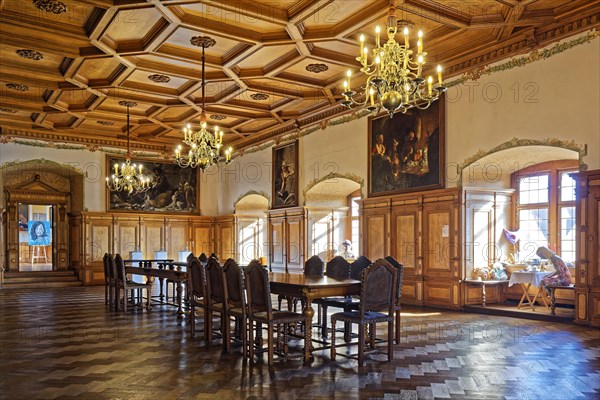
pixel 285 175
pixel 407 152
pixel 172 189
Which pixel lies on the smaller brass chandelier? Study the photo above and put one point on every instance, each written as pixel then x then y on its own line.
pixel 393 73
pixel 204 147
pixel 129 178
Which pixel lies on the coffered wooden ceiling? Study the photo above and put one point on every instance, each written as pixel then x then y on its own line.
pixel 276 65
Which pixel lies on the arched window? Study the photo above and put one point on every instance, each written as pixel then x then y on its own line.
pixel 545 208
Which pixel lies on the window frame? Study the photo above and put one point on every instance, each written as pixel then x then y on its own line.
pixel 356 247
pixel 554 170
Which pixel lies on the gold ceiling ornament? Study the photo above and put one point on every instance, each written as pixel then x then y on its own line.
pixel 204 147
pixel 259 96
pixel 105 123
pixel 217 117
pixel 393 72
pixel 30 54
pixel 53 6
pixel 8 110
pixel 317 68
pixel 17 86
pixel 159 78
pixel 129 178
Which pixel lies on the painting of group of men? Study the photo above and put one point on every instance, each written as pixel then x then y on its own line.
pixel 406 151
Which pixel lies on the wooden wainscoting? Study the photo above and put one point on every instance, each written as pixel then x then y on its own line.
pixel 123 233
pixel 287 235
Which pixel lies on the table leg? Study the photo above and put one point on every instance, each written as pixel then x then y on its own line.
pixel 309 313
pixel 161 283
pixel 483 295
pixel 542 295
pixel 526 296
pixel 179 309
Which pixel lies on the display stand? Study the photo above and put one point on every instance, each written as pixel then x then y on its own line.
pixel 39 252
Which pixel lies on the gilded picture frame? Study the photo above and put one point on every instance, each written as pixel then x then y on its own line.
pixel 285 176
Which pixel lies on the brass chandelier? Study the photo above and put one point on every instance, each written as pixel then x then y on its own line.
pixel 204 146
pixel 393 71
pixel 129 178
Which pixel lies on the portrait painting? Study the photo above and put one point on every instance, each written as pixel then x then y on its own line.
pixel 39 233
pixel 172 189
pixel 285 175
pixel 406 152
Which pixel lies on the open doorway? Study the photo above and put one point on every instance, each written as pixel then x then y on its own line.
pixel 35 237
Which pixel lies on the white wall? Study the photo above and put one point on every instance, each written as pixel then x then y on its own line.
pixel 556 98
pixel 92 165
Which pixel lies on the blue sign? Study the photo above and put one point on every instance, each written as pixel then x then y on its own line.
pixel 39 233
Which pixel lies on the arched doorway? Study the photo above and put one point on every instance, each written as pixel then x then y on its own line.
pixel 251 217
pixel 40 201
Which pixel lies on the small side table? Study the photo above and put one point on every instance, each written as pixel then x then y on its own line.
pixel 483 284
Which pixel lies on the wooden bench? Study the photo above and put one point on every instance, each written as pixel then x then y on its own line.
pixel 483 284
pixel 552 289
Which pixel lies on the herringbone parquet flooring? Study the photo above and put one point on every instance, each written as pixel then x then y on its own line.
pixel 65 343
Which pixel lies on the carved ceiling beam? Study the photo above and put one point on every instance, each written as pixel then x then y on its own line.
pixel 577 8
pixel 264 12
pixel 435 12
pixel 10 37
pixel 357 23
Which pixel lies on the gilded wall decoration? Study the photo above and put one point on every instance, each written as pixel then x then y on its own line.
pixel 30 54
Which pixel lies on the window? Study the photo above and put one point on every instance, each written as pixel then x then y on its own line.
pixel 354 225
pixel 546 209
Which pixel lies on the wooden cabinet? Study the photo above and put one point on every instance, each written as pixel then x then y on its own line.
pixel 587 278
pixel 287 234
pixel 226 237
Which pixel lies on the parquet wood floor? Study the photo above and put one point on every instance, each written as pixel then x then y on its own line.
pixel 65 343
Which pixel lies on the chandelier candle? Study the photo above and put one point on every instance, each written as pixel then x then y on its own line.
pixel 393 73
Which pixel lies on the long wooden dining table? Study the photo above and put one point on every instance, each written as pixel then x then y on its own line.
pixel 309 288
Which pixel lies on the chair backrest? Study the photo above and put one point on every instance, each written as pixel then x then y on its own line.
pixel 106 260
pixel 119 267
pixel 190 257
pixel 400 280
pixel 197 280
pixel 338 268
pixel 203 259
pixel 213 255
pixel 357 266
pixel 234 284
pixel 314 266
pixel 214 281
pixel 378 288
pixel 257 287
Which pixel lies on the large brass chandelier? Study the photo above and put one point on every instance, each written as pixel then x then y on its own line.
pixel 129 178
pixel 393 72
pixel 205 147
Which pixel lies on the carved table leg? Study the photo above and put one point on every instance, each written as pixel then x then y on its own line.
pixel 308 312
pixel 179 309
pixel 483 295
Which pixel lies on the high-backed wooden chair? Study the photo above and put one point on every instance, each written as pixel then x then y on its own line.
pixel 377 303
pixel 196 292
pixel 337 268
pixel 214 299
pixel 261 311
pixel 235 304
pixel 398 307
pixel 109 279
pixel 127 285
pixel 357 267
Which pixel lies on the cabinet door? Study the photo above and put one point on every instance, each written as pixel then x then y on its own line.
pixel 295 243
pixel 226 241
pixel 375 235
pixel 127 235
pixel 98 240
pixel 276 244
pixel 406 249
pixel 178 237
pixel 152 236
pixel 202 239
pixel 437 231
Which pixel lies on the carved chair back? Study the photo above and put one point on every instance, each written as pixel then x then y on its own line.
pixel 314 266
pixel 357 267
pixel 338 268
pixel 214 282
pixel 196 277
pixel 203 258
pixel 234 285
pixel 400 280
pixel 378 288
pixel 258 290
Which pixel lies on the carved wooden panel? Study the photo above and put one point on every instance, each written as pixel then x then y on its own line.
pixel 226 242
pixel 376 236
pixel 99 239
pixel 295 243
pixel 277 243
pixel 202 241
pixel 405 241
pixel 178 237
pixel 152 237
pixel 127 235
pixel 437 246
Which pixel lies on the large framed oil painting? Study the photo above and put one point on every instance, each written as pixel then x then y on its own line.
pixel 172 189
pixel 285 175
pixel 406 152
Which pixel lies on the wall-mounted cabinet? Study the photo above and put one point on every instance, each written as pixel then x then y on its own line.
pixel 287 238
